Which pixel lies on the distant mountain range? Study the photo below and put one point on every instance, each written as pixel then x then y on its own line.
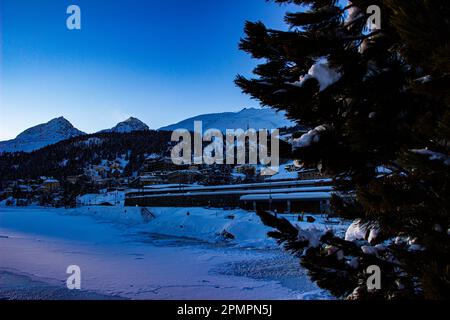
pixel 60 129
pixel 57 130
pixel 247 118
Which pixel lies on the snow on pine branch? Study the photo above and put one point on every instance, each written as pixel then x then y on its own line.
pixel 311 235
pixel 354 13
pixel 361 231
pixel 321 71
pixel 433 155
pixel 309 138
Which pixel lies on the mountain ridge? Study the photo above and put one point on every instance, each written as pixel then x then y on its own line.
pixel 59 129
pixel 127 126
pixel 246 118
pixel 41 135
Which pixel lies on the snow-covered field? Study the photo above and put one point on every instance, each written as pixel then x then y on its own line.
pixel 169 253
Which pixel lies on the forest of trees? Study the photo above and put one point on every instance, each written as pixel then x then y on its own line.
pixel 378 98
pixel 71 157
pixel 79 152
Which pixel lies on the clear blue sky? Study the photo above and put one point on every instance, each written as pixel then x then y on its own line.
pixel 159 60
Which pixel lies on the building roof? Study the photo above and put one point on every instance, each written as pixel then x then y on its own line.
pixel 51 180
pixel 306 196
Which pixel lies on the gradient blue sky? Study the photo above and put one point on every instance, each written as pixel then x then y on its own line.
pixel 159 60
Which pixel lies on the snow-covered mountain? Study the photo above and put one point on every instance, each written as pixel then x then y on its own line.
pixel 60 129
pixel 129 125
pixel 41 135
pixel 247 118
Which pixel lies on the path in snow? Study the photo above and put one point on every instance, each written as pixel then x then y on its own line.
pixel 37 245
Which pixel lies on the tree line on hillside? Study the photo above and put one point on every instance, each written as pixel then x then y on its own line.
pixel 70 157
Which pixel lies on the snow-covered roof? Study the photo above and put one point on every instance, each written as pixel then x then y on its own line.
pixel 25 188
pixel 284 176
pixel 312 192
pixel 149 176
pixel 51 180
pixel 268 185
pixel 167 186
pixel 153 156
pixel 288 196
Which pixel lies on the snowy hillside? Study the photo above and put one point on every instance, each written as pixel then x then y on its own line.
pixel 41 135
pixel 129 125
pixel 246 118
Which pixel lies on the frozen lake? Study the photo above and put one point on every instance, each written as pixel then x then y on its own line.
pixel 130 259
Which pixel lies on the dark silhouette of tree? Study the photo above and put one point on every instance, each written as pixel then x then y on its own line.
pixel 379 102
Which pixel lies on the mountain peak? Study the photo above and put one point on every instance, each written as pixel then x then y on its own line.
pixel 129 125
pixel 60 120
pixel 42 135
pixel 133 120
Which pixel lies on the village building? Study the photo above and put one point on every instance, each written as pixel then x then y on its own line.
pixel 50 185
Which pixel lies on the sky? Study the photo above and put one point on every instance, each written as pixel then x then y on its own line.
pixel 161 61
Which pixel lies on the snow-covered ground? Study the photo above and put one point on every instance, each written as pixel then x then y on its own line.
pixel 169 253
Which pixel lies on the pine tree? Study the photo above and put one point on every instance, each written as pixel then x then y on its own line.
pixel 378 100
